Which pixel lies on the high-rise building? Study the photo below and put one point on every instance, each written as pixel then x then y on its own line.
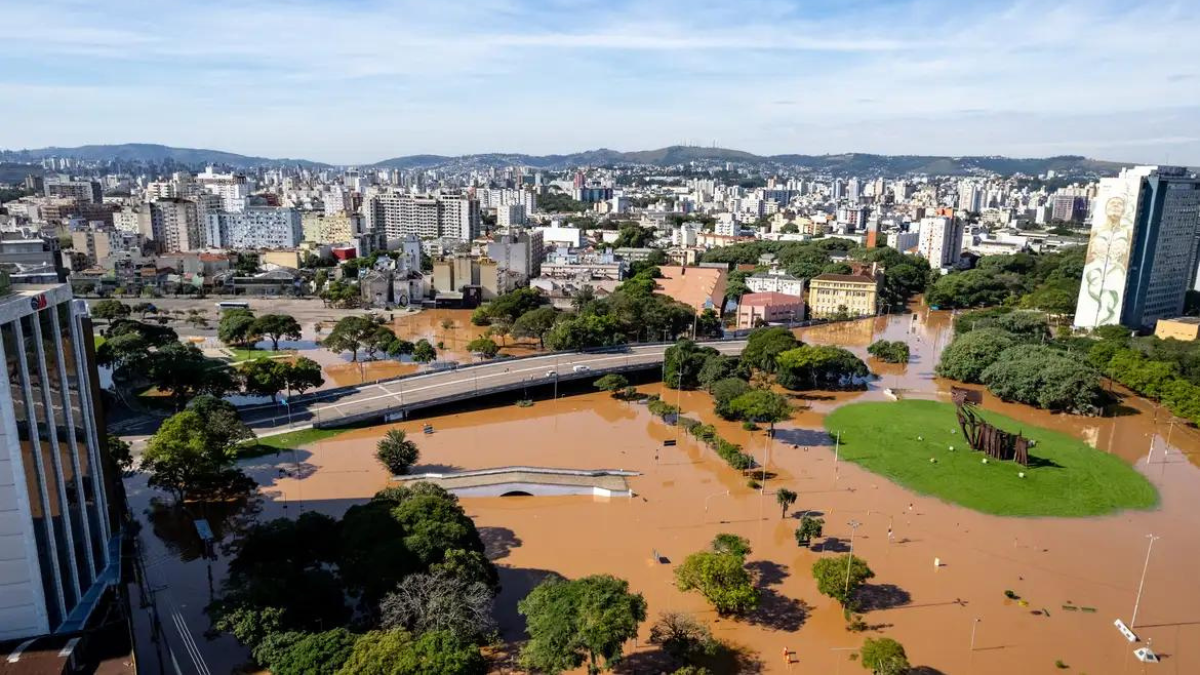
pixel 254 228
pixel 428 216
pixel 56 538
pixel 1068 208
pixel 940 240
pixel 83 191
pixel 175 225
pixel 1142 254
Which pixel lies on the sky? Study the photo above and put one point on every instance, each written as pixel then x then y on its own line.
pixel 357 81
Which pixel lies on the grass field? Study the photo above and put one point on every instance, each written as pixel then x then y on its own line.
pixel 240 354
pixel 293 439
pixel 1066 477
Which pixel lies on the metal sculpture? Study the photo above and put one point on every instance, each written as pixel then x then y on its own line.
pixel 981 435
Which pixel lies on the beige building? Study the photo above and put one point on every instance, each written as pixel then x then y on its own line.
pixel 1183 328
pixel 857 294
pixel 95 245
pixel 755 309
pixel 701 287
pixel 338 228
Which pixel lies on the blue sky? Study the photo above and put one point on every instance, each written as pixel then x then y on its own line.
pixel 350 81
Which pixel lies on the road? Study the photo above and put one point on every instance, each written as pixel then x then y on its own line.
pixel 379 400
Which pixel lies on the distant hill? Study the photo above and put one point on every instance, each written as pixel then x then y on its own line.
pixel 147 153
pixel 851 163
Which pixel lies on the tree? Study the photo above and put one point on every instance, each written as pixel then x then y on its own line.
pixel 182 371
pixel 143 308
pixel 535 323
pixel 720 367
pixel 119 452
pixel 764 345
pixel 612 383
pixel 512 305
pixel 840 576
pixel 819 366
pixel 1049 379
pixel 264 377
pixel 810 528
pixel 485 347
pixel 682 363
pixel 396 651
pixel 682 636
pixel 785 498
pixel 314 654
pixel 761 406
pixel 500 328
pixel 632 235
pixel 186 456
pixel 573 332
pixel 107 310
pixel 423 352
pixel 224 423
pixel 889 351
pixel 237 327
pixel 396 452
pixel 724 393
pixel 731 544
pixel 708 324
pixel 721 578
pixel 303 374
pixel 276 327
pixel 441 602
pixel 585 620
pixel 970 354
pixel 350 335
pixel 884 656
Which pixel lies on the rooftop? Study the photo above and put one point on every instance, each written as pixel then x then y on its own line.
pixel 770 299
pixel 851 278
pixel 695 286
pixel 1189 320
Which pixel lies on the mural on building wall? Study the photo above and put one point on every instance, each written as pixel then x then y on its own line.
pixel 1101 295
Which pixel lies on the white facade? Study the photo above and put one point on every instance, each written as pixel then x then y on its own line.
pixel 256 227
pixel 940 241
pixel 902 241
pixel 776 282
pixel 398 214
pixel 510 214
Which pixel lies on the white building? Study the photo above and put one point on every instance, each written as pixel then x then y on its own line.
pixel 438 215
pixel 256 227
pixel 940 241
pixel 775 281
pixel 508 215
pixel 902 241
pixel 56 534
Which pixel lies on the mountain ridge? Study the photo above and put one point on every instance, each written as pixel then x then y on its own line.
pixel 847 163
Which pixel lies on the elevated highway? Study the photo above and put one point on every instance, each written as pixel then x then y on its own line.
pixel 392 400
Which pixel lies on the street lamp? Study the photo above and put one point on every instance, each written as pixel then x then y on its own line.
pixel 1142 583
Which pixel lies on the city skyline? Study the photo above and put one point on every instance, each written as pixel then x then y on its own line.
pixel 357 83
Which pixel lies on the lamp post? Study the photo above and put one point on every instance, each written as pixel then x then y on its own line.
pixel 971 657
pixel 1142 583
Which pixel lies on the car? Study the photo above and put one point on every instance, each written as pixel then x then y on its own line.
pixel 551 373
pixel 581 369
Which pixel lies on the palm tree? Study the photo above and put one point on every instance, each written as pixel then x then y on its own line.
pixel 396 452
pixel 785 498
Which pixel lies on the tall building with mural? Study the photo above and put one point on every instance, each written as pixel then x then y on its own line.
pixel 1142 254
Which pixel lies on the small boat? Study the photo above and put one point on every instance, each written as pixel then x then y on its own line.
pixel 891 393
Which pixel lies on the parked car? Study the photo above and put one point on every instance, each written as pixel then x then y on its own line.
pixel 581 369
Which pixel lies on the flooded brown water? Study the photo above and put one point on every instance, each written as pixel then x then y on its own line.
pixel 686 495
pixel 456 334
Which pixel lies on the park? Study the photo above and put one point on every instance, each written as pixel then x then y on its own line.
pixel 918 444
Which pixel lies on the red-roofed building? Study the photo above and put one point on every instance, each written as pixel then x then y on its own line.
pixel 756 309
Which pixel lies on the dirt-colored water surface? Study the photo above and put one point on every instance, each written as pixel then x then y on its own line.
pixel 686 495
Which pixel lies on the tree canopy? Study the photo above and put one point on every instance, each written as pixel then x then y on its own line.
pixel 819 367
pixel 587 620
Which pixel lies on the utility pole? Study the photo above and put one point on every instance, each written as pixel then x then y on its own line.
pixel 1142 583
pixel 850 561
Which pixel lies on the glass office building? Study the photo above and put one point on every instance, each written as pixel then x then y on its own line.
pixel 56 552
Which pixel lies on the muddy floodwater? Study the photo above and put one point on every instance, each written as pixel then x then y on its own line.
pixel 1074 576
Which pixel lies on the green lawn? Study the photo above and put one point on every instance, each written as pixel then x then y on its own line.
pixel 292 439
pixel 240 354
pixel 1066 477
